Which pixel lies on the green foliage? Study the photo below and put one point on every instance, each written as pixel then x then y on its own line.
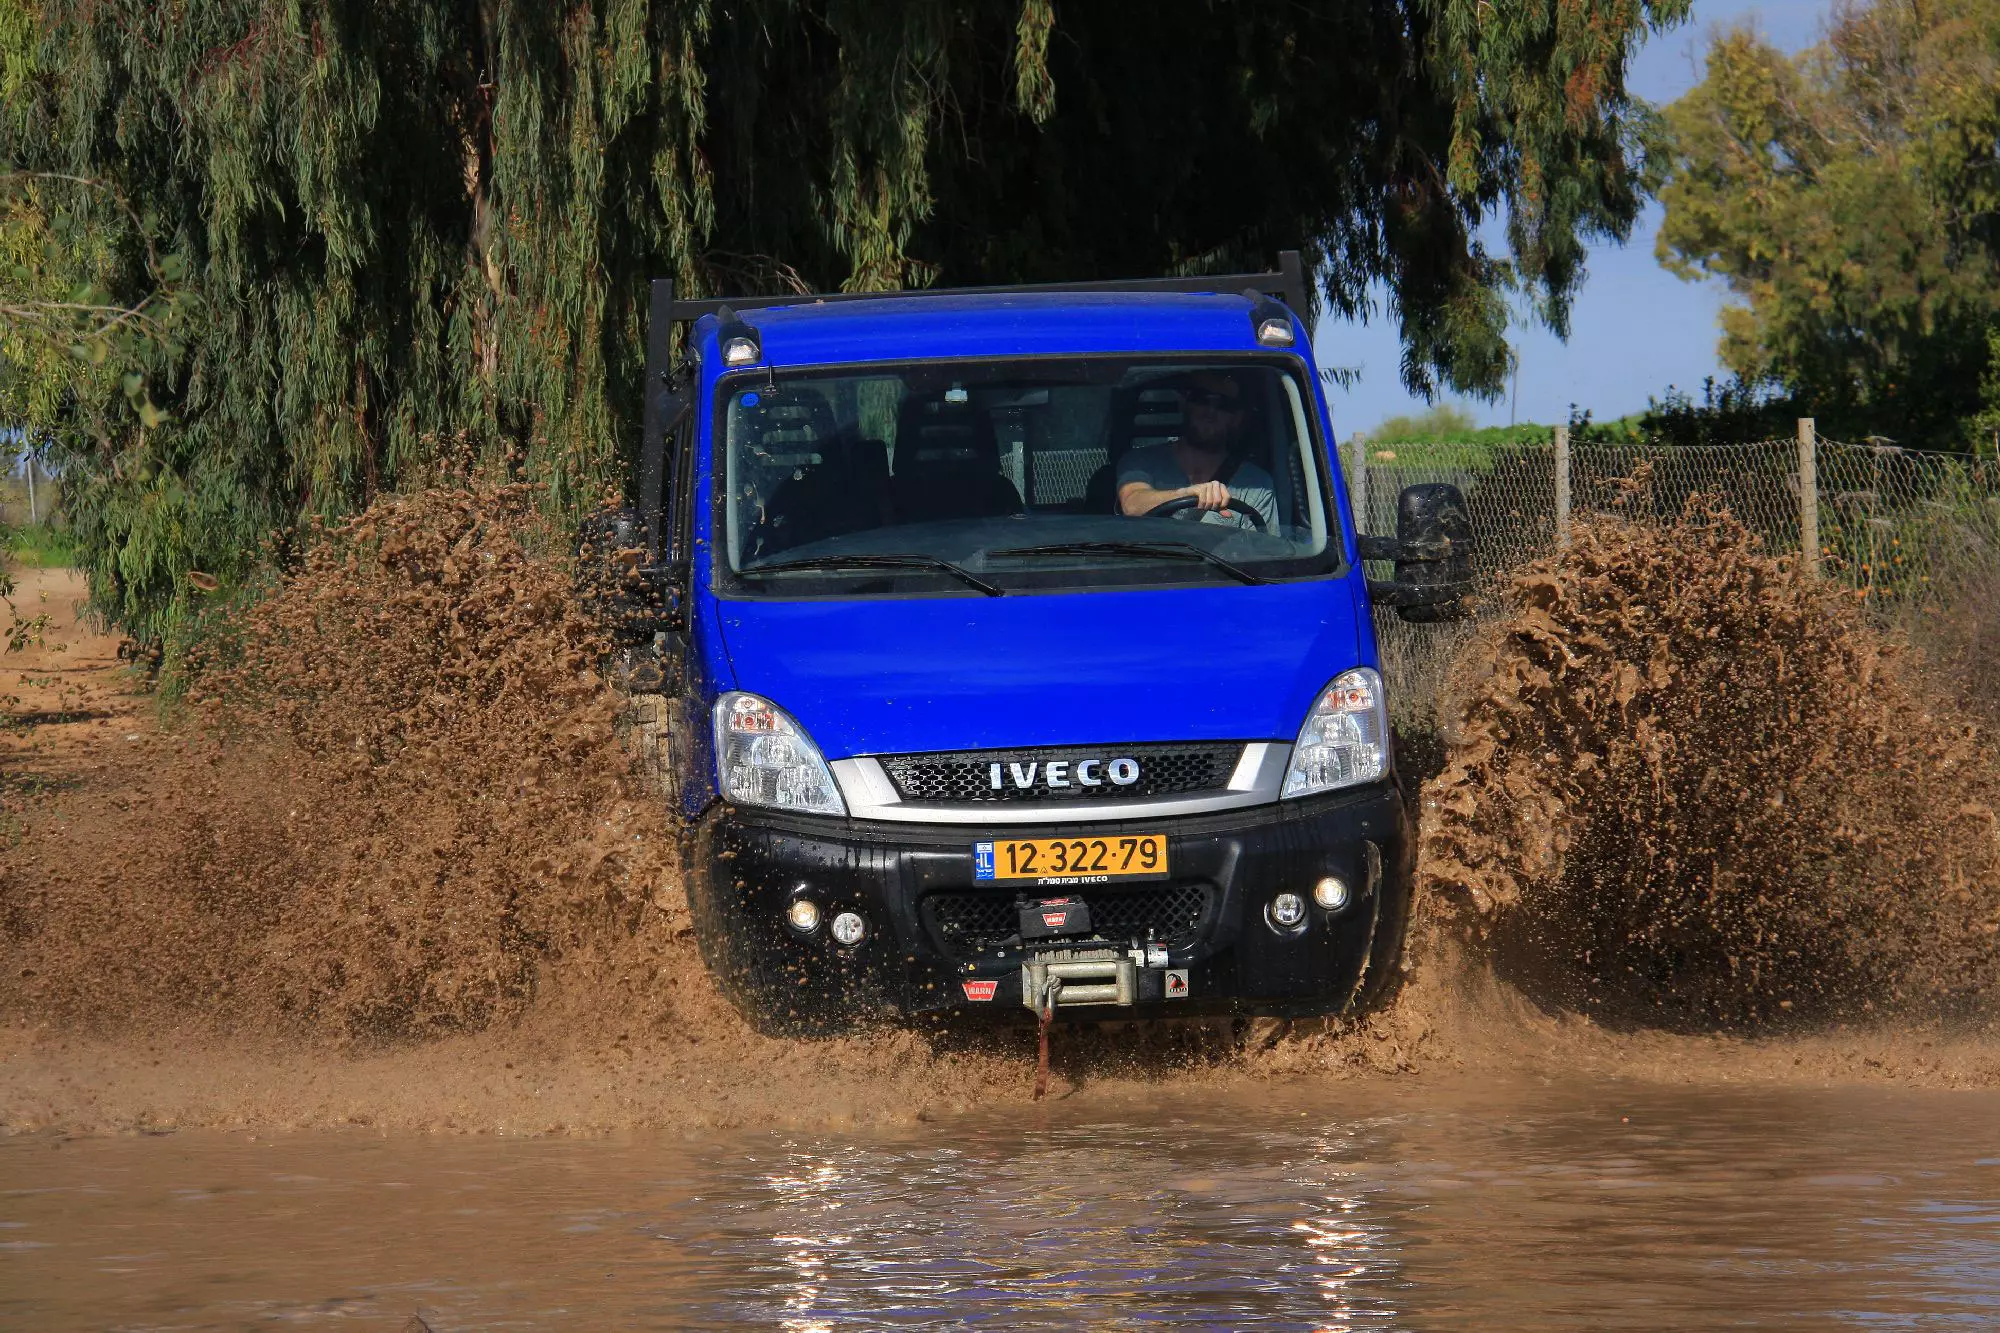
pixel 65 240
pixel 326 241
pixel 1441 422
pixel 1445 424
pixel 1727 413
pixel 1850 197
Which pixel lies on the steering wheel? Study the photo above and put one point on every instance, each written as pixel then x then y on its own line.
pixel 1180 504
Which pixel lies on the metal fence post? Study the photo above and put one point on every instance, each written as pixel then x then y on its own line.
pixel 1562 485
pixel 1357 479
pixel 1808 495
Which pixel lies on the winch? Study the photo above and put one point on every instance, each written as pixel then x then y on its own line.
pixel 1059 978
pixel 1086 970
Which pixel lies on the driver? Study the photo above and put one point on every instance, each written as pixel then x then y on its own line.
pixel 1201 462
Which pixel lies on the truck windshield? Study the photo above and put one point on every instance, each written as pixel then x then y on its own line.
pixel 969 479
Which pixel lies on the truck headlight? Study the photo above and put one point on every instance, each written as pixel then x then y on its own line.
pixel 762 757
pixel 1345 740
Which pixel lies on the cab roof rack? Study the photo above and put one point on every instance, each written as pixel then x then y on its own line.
pixel 1287 282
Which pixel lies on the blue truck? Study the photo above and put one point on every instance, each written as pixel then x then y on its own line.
pixel 1012 652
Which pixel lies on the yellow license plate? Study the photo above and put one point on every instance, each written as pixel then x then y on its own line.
pixel 1070 860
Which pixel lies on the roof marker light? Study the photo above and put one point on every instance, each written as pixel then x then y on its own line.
pixel 1271 320
pixel 740 344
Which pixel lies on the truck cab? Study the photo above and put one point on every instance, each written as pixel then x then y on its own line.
pixel 975 699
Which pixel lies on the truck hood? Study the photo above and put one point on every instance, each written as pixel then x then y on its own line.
pixel 911 675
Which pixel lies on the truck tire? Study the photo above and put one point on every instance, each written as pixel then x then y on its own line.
pixel 644 728
pixel 1392 927
pixel 776 997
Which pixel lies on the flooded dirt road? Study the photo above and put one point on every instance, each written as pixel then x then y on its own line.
pixel 366 991
pixel 1368 1206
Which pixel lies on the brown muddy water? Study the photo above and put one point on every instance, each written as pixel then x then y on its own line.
pixel 1500 1205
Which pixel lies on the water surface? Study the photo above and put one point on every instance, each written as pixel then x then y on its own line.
pixel 1406 1206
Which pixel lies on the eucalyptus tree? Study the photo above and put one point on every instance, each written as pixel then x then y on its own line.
pixel 1850 198
pixel 410 230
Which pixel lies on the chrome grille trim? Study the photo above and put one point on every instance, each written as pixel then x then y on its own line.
pixel 1258 779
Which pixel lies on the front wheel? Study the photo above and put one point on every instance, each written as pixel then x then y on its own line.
pixel 775 992
pixel 1396 890
pixel 645 727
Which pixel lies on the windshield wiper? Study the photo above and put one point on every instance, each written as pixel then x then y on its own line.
pixel 966 577
pixel 1142 550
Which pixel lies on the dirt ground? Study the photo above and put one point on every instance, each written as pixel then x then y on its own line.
pixel 68 695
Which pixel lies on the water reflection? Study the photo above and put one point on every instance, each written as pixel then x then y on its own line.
pixel 1342 1209
pixel 1092 1224
pixel 1353 1251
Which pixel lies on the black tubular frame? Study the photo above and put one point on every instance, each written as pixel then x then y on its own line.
pixel 653 417
pixel 1287 282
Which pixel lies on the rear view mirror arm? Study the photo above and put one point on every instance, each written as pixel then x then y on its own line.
pixel 671 583
pixel 1414 551
pixel 1391 593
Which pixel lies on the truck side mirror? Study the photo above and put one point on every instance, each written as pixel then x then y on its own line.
pixel 632 597
pixel 1432 551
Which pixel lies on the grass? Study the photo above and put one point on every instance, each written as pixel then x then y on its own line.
pixel 38 546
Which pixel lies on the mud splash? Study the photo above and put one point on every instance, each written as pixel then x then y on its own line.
pixel 1690 786
pixel 399 813
pixel 397 870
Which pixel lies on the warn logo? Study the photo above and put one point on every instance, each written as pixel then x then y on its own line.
pixel 979 990
pixel 1061 774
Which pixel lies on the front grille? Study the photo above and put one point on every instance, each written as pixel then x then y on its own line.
pixel 1164 770
pixel 967 922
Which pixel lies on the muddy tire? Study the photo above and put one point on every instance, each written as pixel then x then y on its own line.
pixel 1384 972
pixel 774 993
pixel 644 729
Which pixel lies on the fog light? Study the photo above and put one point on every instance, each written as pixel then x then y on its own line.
pixel 804 915
pixel 1288 910
pixel 849 928
pixel 1331 893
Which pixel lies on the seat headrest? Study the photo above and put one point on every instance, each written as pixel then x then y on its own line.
pixel 934 433
pixel 789 424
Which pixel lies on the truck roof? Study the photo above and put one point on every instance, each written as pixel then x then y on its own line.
pixel 1023 323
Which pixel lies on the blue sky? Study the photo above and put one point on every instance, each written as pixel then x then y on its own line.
pixel 1634 328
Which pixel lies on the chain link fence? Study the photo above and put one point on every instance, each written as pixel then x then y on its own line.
pixel 1917 535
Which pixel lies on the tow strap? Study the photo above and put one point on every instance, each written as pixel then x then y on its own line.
pixel 1044 1011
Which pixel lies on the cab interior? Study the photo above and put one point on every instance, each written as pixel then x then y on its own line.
pixel 828 462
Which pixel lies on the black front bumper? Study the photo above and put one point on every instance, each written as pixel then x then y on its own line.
pixel 932 928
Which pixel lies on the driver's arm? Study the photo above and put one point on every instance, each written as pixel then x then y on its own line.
pixel 1136 497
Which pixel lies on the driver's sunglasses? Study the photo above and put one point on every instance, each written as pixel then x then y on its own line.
pixel 1210 398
